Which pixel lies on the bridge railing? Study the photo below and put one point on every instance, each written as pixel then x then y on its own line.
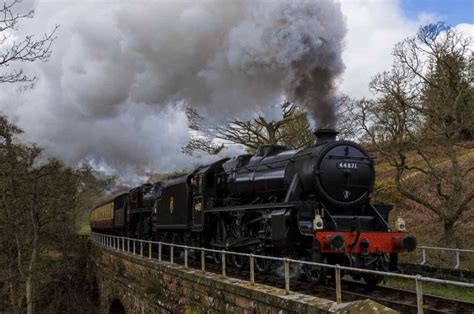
pixel 451 255
pixel 137 247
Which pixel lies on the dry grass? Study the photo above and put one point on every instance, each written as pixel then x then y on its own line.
pixel 423 223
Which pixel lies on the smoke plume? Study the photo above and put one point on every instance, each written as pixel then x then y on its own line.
pixel 121 73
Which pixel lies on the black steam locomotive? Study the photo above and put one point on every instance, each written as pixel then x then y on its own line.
pixel 312 204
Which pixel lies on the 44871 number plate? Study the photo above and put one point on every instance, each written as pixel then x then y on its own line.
pixel 347 165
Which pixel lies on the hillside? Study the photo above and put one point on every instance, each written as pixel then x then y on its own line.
pixel 420 221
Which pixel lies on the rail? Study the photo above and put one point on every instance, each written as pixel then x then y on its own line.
pixel 129 245
pixel 457 254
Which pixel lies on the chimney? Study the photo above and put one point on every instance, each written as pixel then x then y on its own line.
pixel 325 135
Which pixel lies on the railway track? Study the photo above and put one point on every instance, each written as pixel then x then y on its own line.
pixel 398 299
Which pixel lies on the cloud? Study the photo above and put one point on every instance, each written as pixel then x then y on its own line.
pixel 374 27
pixel 120 74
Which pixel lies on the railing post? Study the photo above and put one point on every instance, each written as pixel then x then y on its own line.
pixel 134 246
pixel 287 275
pixel 252 270
pixel 338 285
pixel 159 251
pixel 419 295
pixel 128 244
pixel 186 257
pixel 141 247
pixel 423 254
pixel 172 254
pixel 458 260
pixel 123 244
pixel 203 260
pixel 223 262
pixel 149 249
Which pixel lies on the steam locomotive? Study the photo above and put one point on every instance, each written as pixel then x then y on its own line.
pixel 313 204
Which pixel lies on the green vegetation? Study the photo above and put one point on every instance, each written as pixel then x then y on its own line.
pixel 447 291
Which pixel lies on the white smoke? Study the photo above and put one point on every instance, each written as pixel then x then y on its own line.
pixel 120 73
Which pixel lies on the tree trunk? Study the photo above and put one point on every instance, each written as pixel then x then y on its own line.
pixel 30 291
pixel 449 234
pixel 29 294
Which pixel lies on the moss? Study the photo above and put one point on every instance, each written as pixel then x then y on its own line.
pixel 155 288
pixel 193 309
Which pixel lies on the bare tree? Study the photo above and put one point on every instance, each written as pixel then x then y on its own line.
pixel 27 49
pixel 425 107
pixel 292 130
pixel 38 209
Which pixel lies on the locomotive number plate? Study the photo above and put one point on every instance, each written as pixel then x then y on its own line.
pixel 346 165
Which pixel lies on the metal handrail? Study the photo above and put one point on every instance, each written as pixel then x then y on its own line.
pixel 118 243
pixel 457 253
pixel 446 249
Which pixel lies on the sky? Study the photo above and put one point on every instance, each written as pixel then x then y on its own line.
pixel 113 93
pixel 452 12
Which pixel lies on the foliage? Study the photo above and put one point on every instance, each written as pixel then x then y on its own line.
pixel 39 207
pixel 425 105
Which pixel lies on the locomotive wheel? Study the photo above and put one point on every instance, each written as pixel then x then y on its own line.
pixel 371 279
pixel 217 257
pixel 237 261
pixel 263 265
pixel 219 237
pixel 316 274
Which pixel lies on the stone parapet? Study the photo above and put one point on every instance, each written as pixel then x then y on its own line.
pixel 147 286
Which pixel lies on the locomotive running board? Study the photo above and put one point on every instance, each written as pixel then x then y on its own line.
pixel 250 207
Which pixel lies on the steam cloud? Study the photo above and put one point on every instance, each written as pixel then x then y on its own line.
pixel 121 73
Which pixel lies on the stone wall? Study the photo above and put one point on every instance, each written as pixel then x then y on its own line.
pixel 148 286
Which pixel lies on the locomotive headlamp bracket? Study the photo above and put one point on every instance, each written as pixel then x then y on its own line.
pixel 401 226
pixel 318 223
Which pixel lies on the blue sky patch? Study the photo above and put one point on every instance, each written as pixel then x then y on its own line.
pixel 452 12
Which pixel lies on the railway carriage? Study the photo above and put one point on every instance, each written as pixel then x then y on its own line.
pixel 102 217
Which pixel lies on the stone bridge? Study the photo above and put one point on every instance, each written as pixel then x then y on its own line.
pixel 132 284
